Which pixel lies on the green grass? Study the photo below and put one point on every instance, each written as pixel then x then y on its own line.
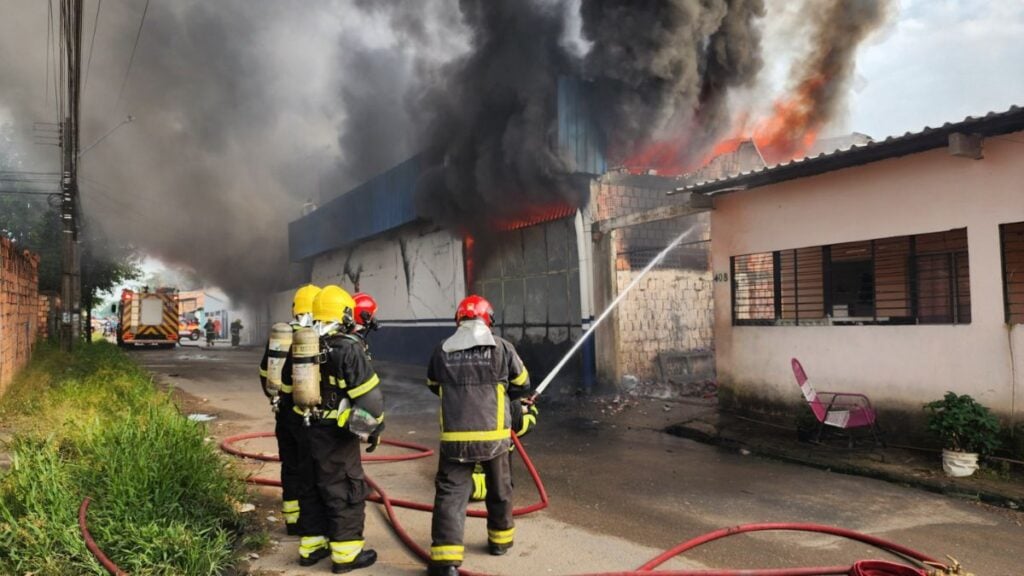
pixel 92 424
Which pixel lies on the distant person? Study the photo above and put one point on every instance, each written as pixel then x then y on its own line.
pixel 236 332
pixel 211 331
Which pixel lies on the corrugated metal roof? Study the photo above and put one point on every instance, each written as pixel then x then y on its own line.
pixel 381 203
pixel 991 124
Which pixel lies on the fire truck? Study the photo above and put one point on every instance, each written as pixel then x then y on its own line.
pixel 148 318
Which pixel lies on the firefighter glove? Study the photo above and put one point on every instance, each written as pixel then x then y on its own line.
pixel 526 418
pixel 374 438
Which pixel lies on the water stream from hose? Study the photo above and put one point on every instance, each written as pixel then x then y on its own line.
pixel 611 307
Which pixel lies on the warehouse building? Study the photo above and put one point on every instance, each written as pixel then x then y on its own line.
pixel 548 276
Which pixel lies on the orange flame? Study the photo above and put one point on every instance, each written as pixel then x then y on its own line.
pixel 469 260
pixel 531 215
pixel 789 132
pixel 793 127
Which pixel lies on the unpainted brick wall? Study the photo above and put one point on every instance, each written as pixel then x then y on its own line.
pixel 19 309
pixel 46 307
pixel 670 311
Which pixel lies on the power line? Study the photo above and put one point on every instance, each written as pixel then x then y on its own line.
pixel 29 173
pixel 28 193
pixel 49 29
pixel 88 63
pixel 131 58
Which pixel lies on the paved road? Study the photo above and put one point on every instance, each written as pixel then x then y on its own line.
pixel 621 490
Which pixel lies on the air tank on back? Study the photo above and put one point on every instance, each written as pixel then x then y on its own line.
pixel 306 369
pixel 277 354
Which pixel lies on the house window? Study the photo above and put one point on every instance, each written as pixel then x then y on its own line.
pixel 920 279
pixel 1012 240
pixel 852 280
pixel 942 277
pixel 753 278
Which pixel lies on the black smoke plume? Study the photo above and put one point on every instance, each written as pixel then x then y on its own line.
pixel 657 67
pixel 489 142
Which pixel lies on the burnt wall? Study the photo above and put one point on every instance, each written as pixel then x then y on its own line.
pixel 531 277
pixel 664 328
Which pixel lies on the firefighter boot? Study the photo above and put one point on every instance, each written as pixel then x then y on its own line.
pixel 499 541
pixel 498 549
pixel 313 549
pixel 290 511
pixel 364 559
pixel 447 570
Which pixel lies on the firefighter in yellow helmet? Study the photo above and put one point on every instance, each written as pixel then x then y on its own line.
pixel 351 409
pixel 292 446
pixel 482 383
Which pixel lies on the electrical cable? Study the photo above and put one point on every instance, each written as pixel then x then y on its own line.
pixel 131 59
pixel 88 63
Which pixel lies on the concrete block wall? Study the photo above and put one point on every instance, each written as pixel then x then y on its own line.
pixel 19 309
pixel 669 311
pixel 531 277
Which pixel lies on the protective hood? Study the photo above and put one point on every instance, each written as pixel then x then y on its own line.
pixel 470 333
pixel 327 328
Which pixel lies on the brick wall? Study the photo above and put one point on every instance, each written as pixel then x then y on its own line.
pixel 669 312
pixel 669 315
pixel 48 305
pixel 19 309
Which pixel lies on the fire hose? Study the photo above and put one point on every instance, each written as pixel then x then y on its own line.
pixel 926 565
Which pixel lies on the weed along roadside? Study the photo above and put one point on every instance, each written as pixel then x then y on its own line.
pixel 91 424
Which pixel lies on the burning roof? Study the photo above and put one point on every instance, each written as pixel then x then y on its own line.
pixel 991 124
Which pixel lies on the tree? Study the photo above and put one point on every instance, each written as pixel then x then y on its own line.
pixel 33 223
pixel 21 204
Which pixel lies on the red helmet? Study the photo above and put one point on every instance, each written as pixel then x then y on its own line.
pixel 474 306
pixel 366 308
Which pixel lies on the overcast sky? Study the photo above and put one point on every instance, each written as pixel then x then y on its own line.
pixel 940 61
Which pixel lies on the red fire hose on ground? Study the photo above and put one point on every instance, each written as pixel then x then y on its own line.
pixel 927 566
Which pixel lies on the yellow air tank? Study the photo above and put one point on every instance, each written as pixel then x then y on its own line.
pixel 306 369
pixel 278 347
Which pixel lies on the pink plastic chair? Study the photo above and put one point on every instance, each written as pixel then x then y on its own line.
pixel 840 410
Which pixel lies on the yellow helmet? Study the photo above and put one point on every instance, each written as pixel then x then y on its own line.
pixel 302 303
pixel 333 304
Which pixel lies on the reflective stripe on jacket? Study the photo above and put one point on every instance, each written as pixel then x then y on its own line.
pixel 476 387
pixel 348 373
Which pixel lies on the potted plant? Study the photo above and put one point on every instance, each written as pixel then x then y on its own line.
pixel 967 429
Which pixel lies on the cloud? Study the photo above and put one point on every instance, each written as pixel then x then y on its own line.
pixel 942 61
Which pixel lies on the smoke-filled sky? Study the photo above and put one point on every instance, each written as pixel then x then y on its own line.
pixel 244 109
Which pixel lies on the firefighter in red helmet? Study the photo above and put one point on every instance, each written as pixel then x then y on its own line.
pixel 482 383
pixel 365 313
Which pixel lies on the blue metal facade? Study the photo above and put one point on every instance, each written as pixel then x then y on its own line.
pixel 387 200
pixel 579 138
pixel 382 203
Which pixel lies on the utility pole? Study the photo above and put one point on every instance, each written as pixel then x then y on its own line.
pixel 71 263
